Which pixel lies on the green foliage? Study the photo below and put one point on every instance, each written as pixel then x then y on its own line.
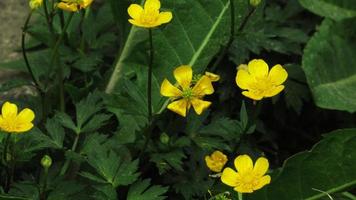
pixel 143 190
pixel 328 167
pixel 104 146
pixel 334 9
pixel 326 63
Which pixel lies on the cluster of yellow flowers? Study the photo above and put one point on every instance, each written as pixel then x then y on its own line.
pixel 13 122
pixel 247 178
pixel 255 78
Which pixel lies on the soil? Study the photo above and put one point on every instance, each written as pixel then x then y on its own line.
pixel 12 16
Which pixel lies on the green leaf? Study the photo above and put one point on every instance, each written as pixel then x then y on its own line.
pixel 334 9
pixel 329 167
pixel 66 121
pixel 169 160
pixel 329 64
pixel 56 132
pixel 193 37
pixel 111 167
pixel 143 190
pixel 87 107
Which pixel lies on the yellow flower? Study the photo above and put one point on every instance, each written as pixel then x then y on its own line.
pixel 258 81
pixel 213 77
pixel 74 5
pixel 187 94
pixel 148 16
pixel 216 161
pixel 34 4
pixel 248 178
pixel 12 122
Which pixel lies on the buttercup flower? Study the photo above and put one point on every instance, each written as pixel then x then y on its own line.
pixel 12 122
pixel 216 161
pixel 34 4
pixel 74 5
pixel 187 93
pixel 248 177
pixel 148 16
pixel 258 81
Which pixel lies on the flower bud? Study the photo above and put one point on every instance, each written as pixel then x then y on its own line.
pixel 164 138
pixel 255 3
pixel 46 161
pixel 34 4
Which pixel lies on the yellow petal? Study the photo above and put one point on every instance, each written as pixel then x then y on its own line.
pixel 67 7
pixel 213 77
pixel 274 91
pixel 230 177
pixel 243 79
pixel 261 167
pixel 183 75
pixel 164 17
pixel 243 164
pixel 203 87
pixel 200 105
pixel 278 75
pixel 152 5
pixel 9 110
pixel 252 95
pixel 25 116
pixel 180 107
pixel 258 68
pixel 218 155
pixel 262 182
pixel 168 90
pixel 212 164
pixel 23 128
pixel 86 3
pixel 243 189
pixel 135 11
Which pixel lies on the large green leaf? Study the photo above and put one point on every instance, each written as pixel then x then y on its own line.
pixel 198 30
pixel 328 167
pixel 334 9
pixel 142 190
pixel 329 63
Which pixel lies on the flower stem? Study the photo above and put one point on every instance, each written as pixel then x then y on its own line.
pixel 149 77
pixel 240 196
pixel 44 184
pixel 48 17
pixel 5 160
pixel 66 164
pixel 60 70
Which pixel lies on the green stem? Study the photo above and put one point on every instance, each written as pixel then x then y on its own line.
pixel 349 195
pixel 149 77
pixel 8 173
pixel 24 54
pixel 240 196
pixel 232 32
pixel 44 184
pixel 48 17
pixel 60 70
pixel 74 147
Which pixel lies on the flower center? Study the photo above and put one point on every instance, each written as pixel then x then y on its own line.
pixel 261 85
pixel 187 93
pixel 150 16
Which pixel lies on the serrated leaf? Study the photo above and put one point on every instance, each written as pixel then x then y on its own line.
pixel 329 65
pixel 328 167
pixel 95 122
pixel 143 190
pixel 66 121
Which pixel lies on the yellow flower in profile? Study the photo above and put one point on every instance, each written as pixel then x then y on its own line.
pixel 216 161
pixel 258 82
pixel 74 5
pixel 149 15
pixel 248 177
pixel 12 122
pixel 34 4
pixel 187 93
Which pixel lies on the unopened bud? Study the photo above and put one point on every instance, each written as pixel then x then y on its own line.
pixel 164 138
pixel 46 161
pixel 34 4
pixel 255 3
